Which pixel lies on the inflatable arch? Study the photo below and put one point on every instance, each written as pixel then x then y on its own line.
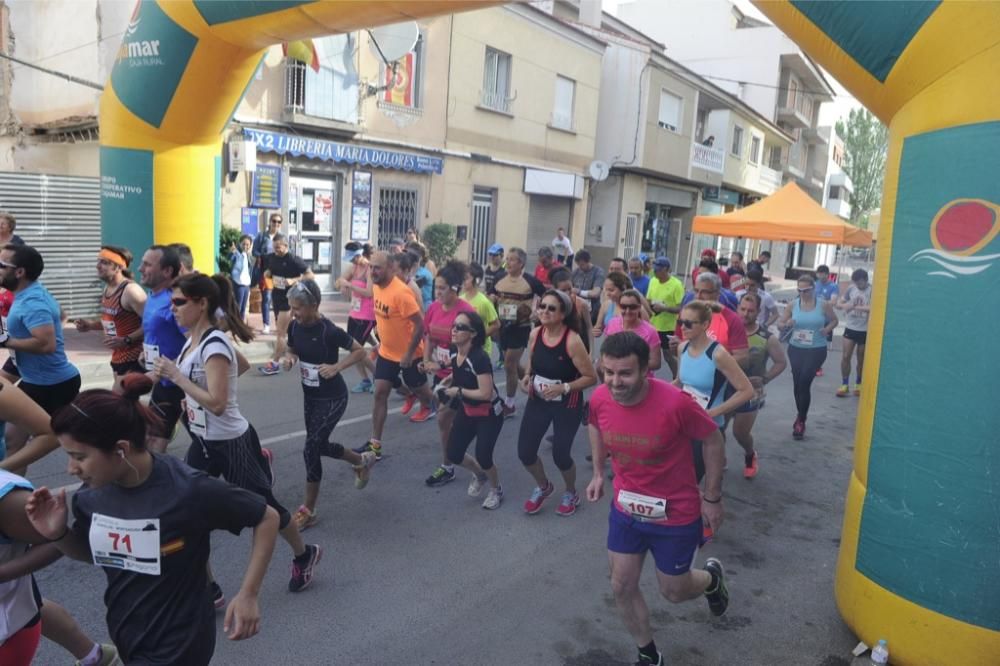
pixel 919 558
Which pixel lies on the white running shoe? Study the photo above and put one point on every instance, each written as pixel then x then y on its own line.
pixel 493 498
pixel 476 485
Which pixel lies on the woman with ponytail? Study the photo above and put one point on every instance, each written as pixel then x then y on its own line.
pixel 222 440
pixel 146 519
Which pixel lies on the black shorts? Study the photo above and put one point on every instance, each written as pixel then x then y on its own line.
pixel 165 401
pixel 279 300
pixel 10 367
pixel 514 337
pixel 360 329
pixel 128 366
pixel 389 371
pixel 859 337
pixel 54 396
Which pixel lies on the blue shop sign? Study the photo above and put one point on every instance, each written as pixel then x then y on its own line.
pixel 344 153
pixel 266 187
pixel 721 194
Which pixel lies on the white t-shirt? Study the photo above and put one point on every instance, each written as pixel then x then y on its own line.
pixel 17 601
pixel 858 321
pixel 562 246
pixel 202 422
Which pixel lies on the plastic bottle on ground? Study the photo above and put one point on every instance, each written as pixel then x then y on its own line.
pixel 880 653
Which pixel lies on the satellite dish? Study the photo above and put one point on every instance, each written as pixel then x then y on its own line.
pixel 599 170
pixel 391 42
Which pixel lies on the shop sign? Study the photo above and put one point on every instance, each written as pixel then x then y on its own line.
pixel 266 186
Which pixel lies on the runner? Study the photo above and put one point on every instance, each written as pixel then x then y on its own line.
pixel 7 225
pixel 546 264
pixel 186 257
pixel 401 330
pixel 726 327
pixel 563 248
pixel 562 281
pixel 158 573
pixel 754 284
pixel 630 319
pixel 736 271
pixel 222 441
pixel 764 346
pixel 159 268
pixel 614 286
pixel 856 303
pixel 423 273
pixel 707 260
pixel 404 266
pixel 494 270
pixel 559 369
pixel 647 426
pixel 284 269
pixel 417 247
pixel 263 245
pixel 356 284
pixel 314 342
pixel 808 321
pixel 481 304
pixel 437 354
pixel 517 294
pixel 826 290
pixel 637 273
pixel 588 282
pixel 122 305
pixel 665 294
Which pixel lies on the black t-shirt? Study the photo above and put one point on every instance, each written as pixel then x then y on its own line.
pixel 466 376
pixel 491 277
pixel 161 619
pixel 287 266
pixel 315 345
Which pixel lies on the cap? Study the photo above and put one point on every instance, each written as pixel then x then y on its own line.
pixel 661 262
pixel 496 248
pixel 643 257
pixel 350 255
pixel 708 251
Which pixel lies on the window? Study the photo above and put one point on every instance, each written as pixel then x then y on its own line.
pixel 755 143
pixel 834 192
pixel 404 84
pixel 671 107
pixel 562 109
pixel 737 147
pixel 496 81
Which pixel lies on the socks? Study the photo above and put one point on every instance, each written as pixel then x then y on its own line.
pixel 649 653
pixel 93 657
pixel 847 380
pixel 509 401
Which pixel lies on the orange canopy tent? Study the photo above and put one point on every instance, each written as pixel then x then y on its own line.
pixel 787 215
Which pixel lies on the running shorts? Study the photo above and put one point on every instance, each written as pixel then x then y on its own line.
pixel 860 337
pixel 673 546
pixel 360 329
pixel 665 337
pixel 128 366
pixel 389 371
pixel 514 337
pixel 279 300
pixel 52 398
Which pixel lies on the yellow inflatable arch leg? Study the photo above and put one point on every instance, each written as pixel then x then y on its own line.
pixel 919 562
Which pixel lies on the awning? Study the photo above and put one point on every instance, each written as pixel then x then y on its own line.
pixel 787 215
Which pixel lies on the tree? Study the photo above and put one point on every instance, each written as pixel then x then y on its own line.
pixel 866 141
pixel 441 242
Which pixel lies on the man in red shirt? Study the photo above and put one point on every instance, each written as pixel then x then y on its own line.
pixel 546 264
pixel 646 426
pixel 726 328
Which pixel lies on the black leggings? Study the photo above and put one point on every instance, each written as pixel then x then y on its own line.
pixel 564 415
pixel 805 364
pixel 485 430
pixel 322 416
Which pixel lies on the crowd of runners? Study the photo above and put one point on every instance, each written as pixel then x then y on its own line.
pixel 672 369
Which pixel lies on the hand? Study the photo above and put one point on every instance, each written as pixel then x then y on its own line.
pixel 406 361
pixel 712 514
pixel 428 366
pixel 525 384
pixel 657 307
pixel 786 325
pixel 115 342
pixel 242 617
pixel 47 513
pixel 576 292
pixel 452 392
pixel 81 325
pixel 328 371
pixel 598 331
pixel 757 382
pixel 674 344
pixel 595 489
pixel 287 362
pixel 553 391
pixel 166 369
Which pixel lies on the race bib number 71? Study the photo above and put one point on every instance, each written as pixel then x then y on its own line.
pixel 132 545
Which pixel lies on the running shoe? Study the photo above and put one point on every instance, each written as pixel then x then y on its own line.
pixel 302 573
pixel 508 411
pixel 476 485
pixel 364 386
pixel 538 496
pixel 109 656
pixel 218 596
pixel 718 598
pixel 799 429
pixel 440 477
pixel 493 498
pixel 750 466
pixel 568 503
pixel 425 414
pixel 408 405
pixel 304 518
pixel 363 471
pixel 269 457
pixel 843 391
pixel 819 373
pixel 857 389
pixel 266 330
pixel 370 446
pixel 269 368
pixel 707 533
pixel 644 661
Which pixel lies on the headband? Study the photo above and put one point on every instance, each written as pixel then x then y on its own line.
pixel 113 257
pixel 567 303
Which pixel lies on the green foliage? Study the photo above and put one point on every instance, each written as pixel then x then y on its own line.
pixel 866 141
pixel 441 241
pixel 229 240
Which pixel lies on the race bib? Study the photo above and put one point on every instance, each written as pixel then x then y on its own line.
pixel 508 311
pixel 698 396
pixel 279 282
pixel 132 545
pixel 540 383
pixel 803 336
pixel 151 353
pixel 442 357
pixel 355 304
pixel 110 329
pixel 310 373
pixel 196 416
pixel 643 507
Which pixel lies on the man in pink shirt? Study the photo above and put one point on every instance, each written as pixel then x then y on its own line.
pixel 647 426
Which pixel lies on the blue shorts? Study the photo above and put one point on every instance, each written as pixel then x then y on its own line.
pixel 674 546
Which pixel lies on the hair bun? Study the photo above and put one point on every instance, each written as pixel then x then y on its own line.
pixel 135 385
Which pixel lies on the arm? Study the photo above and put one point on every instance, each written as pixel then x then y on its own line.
pixel 525 383
pixel 242 364
pixel 581 359
pixel 42 341
pixel 831 318
pixel 494 325
pixel 713 450
pixel 418 335
pixel 243 615
pixel 778 359
pixel 772 318
pixel 483 390
pixel 37 558
pixel 599 326
pixel 585 322
pixel 599 454
pixel 134 299
pixel 367 291
pixel 47 514
pixel 655 357
pixel 17 408
pixel 213 399
pixel 785 320
pixel 728 366
pixel 84 325
pixel 357 353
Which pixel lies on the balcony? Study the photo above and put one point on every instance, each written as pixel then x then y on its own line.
pixel 839 207
pixel 796 109
pixel 817 136
pixel 817 179
pixel 841 180
pixel 495 101
pixel 797 157
pixel 708 158
pixel 770 179
pixel 327 99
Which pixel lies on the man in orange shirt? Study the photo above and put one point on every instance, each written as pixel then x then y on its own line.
pixel 400 327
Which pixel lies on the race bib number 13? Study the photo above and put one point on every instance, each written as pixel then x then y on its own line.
pixel 132 545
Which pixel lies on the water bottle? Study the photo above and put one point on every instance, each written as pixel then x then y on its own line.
pixel 880 653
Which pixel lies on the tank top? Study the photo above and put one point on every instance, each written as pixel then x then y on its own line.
pixel 700 378
pixel 362 307
pixel 192 360
pixel 758 353
pixel 552 365
pixel 610 313
pixel 806 334
pixel 119 322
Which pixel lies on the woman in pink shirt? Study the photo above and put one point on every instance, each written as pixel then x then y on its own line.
pixel 630 306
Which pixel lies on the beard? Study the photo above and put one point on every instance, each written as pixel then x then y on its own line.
pixel 9 282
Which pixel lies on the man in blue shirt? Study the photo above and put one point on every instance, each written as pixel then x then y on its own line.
pixel 160 266
pixel 637 273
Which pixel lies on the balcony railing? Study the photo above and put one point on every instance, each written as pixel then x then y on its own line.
pixel 708 158
pixel 770 178
pixel 325 94
pixel 497 101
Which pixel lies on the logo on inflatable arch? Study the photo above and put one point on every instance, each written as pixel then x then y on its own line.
pixel 961 228
pixel 133 22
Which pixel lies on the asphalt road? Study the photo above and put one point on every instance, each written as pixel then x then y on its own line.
pixel 413 575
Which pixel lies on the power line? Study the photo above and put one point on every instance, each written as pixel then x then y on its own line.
pixel 74 48
pixel 46 70
pixel 766 85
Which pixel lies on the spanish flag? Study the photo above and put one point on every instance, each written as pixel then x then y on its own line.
pixel 399 83
pixel 303 50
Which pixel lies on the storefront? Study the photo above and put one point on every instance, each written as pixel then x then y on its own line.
pixel 667 213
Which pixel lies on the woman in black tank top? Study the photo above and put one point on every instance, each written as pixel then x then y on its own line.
pixel 559 369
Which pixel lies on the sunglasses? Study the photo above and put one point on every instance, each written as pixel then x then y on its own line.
pixel 178 302
pixel 801 290
pixel 689 323
pixel 4 264
pixel 629 307
pixel 462 328
pixel 542 307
